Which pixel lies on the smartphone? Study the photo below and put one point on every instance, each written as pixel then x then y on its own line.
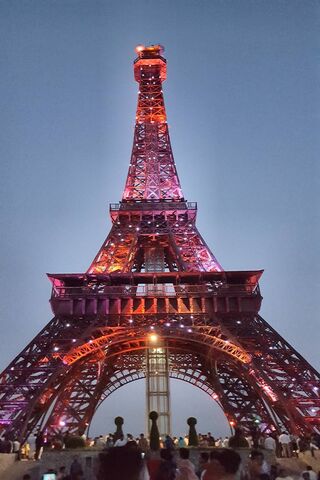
pixel 49 476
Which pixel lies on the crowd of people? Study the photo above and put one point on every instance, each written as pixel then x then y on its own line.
pixel 128 462
pixel 282 445
pixel 129 458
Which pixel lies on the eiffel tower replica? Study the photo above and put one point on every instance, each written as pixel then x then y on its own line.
pixel 156 304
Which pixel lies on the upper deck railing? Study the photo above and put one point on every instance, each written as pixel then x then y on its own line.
pixel 154 205
pixel 162 290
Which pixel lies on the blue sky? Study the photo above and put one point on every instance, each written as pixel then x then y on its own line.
pixel 242 99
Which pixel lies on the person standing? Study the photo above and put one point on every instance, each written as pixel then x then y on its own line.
pixel 168 442
pixel 76 471
pixel 270 445
pixel 225 443
pixel 254 468
pixel 153 463
pixel 211 441
pixel 121 442
pixel 99 442
pixel 109 441
pixel 224 465
pixel 143 443
pixel 181 443
pixel 285 443
pixel 15 446
pixel 218 442
pixel 6 445
pixel 202 463
pixel 186 469
pixel 39 445
pixel 238 440
pixel 167 469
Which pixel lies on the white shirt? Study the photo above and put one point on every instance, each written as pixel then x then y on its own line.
pixel 312 474
pixel 284 438
pixel 225 442
pixel 186 470
pixel 270 443
pixel 120 443
pixel 16 447
pixel 100 442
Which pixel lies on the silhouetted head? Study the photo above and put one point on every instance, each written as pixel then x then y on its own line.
pixel 120 463
pixel 256 456
pixel 224 462
pixel 184 453
pixel 166 454
pixel 204 457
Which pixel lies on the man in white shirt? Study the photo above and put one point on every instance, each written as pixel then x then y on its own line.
pixel 269 443
pixel 121 442
pixel 100 441
pixel 16 446
pixel 225 443
pixel 285 443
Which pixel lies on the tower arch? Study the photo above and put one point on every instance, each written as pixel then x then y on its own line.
pixel 219 374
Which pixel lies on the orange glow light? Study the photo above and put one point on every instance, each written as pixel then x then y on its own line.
pixel 139 48
pixel 153 337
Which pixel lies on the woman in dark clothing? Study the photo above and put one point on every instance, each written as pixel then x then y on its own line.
pixel 167 468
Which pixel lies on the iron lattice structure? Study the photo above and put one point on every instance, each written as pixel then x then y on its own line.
pixel 155 273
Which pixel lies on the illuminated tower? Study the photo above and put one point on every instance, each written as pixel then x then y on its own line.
pixel 155 303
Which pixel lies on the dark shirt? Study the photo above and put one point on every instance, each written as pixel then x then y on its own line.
pixel 167 471
pixel 75 469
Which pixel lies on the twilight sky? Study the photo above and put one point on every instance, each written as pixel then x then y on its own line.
pixel 242 100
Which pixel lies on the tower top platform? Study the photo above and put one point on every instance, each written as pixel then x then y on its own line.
pixel 151 51
pixel 150 62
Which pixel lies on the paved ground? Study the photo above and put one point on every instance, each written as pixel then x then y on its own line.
pixel 17 471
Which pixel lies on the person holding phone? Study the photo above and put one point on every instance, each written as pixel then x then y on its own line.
pixel 76 471
pixel 50 475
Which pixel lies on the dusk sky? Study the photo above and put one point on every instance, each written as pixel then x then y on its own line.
pixel 243 103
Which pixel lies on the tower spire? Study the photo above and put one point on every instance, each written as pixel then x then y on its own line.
pixel 154 228
pixel 152 172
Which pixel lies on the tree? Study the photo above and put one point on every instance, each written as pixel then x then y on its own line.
pixel 154 432
pixel 193 436
pixel 119 422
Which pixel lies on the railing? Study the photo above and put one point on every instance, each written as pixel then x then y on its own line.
pixel 145 205
pixel 152 290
